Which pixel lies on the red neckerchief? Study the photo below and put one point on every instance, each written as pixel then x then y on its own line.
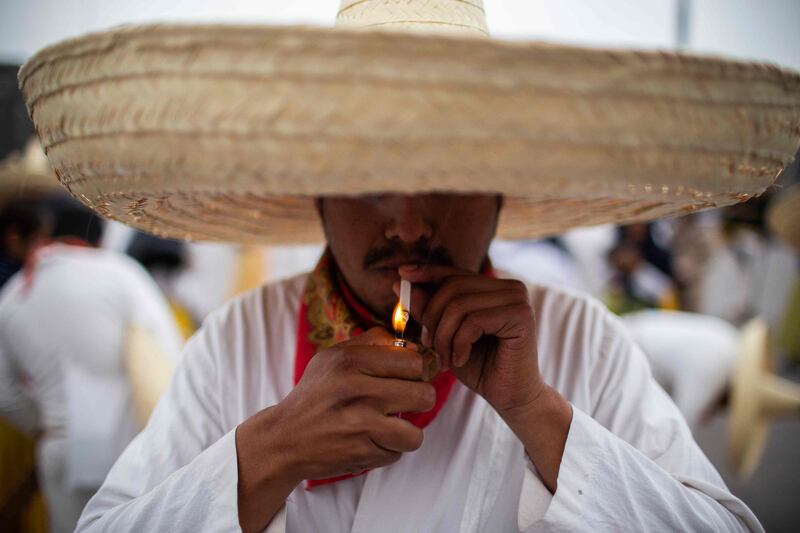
pixel 43 249
pixel 330 314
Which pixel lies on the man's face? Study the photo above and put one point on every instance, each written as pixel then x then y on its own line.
pixel 370 236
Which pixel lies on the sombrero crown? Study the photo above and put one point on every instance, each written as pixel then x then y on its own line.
pixel 229 132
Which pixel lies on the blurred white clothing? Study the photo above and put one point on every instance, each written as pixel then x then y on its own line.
pixel 539 262
pixel 692 355
pixel 748 276
pixel 62 374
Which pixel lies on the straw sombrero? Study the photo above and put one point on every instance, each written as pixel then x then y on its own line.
pixel 783 216
pixel 26 173
pixel 228 132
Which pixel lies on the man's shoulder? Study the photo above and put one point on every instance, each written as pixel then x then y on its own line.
pixel 574 329
pixel 552 299
pixel 274 301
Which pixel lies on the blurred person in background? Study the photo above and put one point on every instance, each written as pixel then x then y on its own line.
pixel 693 241
pixel 63 321
pixel 165 260
pixel 783 220
pixel 23 224
pixel 641 271
pixel 546 262
pixel 735 273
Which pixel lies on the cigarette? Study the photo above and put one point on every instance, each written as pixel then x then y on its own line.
pixel 405 295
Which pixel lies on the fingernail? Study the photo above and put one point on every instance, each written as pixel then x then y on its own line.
pixel 426 337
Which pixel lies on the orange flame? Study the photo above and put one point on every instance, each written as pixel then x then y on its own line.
pixel 399 320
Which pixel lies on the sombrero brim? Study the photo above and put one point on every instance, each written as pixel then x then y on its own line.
pixel 18 185
pixel 229 132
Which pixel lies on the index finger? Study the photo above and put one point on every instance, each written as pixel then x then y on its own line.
pixel 386 362
pixel 376 336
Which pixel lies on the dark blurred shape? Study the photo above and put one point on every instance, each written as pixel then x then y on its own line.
pixel 23 222
pixel 17 127
pixel 26 221
pixel 749 215
pixel 165 260
pixel 155 253
pixel 72 219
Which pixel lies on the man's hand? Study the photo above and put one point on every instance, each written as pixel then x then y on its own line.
pixel 337 420
pixel 484 330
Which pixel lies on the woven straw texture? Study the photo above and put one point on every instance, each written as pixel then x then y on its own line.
pixel 229 132
pixel 428 16
pixel 784 217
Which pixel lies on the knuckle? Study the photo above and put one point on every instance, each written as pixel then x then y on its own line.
pixel 471 321
pixel 344 393
pixel 390 457
pixel 346 360
pixel 526 309
pixel 363 451
pixel 458 305
pixel 520 285
pixel 427 396
pixel 417 438
pixel 332 355
pixel 517 285
pixel 417 364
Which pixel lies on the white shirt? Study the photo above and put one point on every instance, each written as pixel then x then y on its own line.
pixel 630 463
pixel 61 351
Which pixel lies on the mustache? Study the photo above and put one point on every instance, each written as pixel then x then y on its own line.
pixel 421 252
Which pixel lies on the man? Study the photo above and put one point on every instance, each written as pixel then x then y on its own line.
pixel 553 421
pixel 63 323
pixel 514 407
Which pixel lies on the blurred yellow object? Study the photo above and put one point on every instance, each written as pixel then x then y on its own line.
pixel 757 396
pixel 789 333
pixel 249 270
pixel 148 371
pixel 21 504
pixel 783 216
pixel 183 319
pixel 669 301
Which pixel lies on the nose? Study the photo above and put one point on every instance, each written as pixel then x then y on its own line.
pixel 407 220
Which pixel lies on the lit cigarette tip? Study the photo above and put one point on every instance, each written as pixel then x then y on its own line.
pixel 400 315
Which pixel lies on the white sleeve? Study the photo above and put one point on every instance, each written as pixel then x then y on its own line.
pixel 16 406
pixel 630 463
pixel 180 473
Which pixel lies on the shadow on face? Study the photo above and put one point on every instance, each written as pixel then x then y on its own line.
pixel 371 236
